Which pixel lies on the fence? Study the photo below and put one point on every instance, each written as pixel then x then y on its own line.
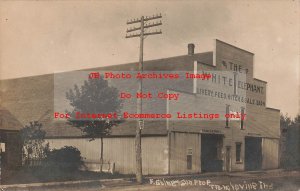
pixel 92 165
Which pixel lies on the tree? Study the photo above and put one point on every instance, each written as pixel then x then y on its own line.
pixel 94 96
pixel 285 121
pixel 297 119
pixel 290 131
pixel 32 137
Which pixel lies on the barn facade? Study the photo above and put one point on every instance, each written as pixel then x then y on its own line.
pixel 169 146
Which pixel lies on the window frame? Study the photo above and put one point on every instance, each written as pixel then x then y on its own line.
pixel 189 159
pixel 242 118
pixel 238 155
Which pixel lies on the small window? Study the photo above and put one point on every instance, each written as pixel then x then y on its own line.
pixel 242 118
pixel 224 64
pixel 227 118
pixel 189 158
pixel 284 130
pixel 238 152
pixel 235 83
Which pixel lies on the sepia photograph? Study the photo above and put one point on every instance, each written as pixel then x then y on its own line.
pixel 156 95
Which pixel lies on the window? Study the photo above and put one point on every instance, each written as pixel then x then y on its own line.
pixel 238 148
pixel 189 157
pixel 235 83
pixel 242 118
pixel 227 118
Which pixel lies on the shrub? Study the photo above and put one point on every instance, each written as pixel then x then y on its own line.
pixel 66 159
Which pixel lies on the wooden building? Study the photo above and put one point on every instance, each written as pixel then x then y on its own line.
pixel 10 145
pixel 169 146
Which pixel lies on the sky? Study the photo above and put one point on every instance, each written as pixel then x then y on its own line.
pixel 41 37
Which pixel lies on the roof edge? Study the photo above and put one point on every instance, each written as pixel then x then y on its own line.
pixel 273 109
pixel 235 47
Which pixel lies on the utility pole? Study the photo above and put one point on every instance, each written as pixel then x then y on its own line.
pixel 140 32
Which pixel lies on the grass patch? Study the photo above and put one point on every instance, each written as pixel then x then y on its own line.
pixel 42 175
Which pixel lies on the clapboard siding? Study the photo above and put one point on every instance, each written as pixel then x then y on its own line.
pixel 121 151
pixel 270 150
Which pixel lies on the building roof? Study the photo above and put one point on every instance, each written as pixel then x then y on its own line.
pixel 176 63
pixel 9 121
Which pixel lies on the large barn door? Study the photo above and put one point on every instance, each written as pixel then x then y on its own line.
pixel 211 153
pixel 253 153
pixel 270 148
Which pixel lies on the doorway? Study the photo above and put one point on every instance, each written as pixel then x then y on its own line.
pixel 211 153
pixel 253 153
pixel 228 159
